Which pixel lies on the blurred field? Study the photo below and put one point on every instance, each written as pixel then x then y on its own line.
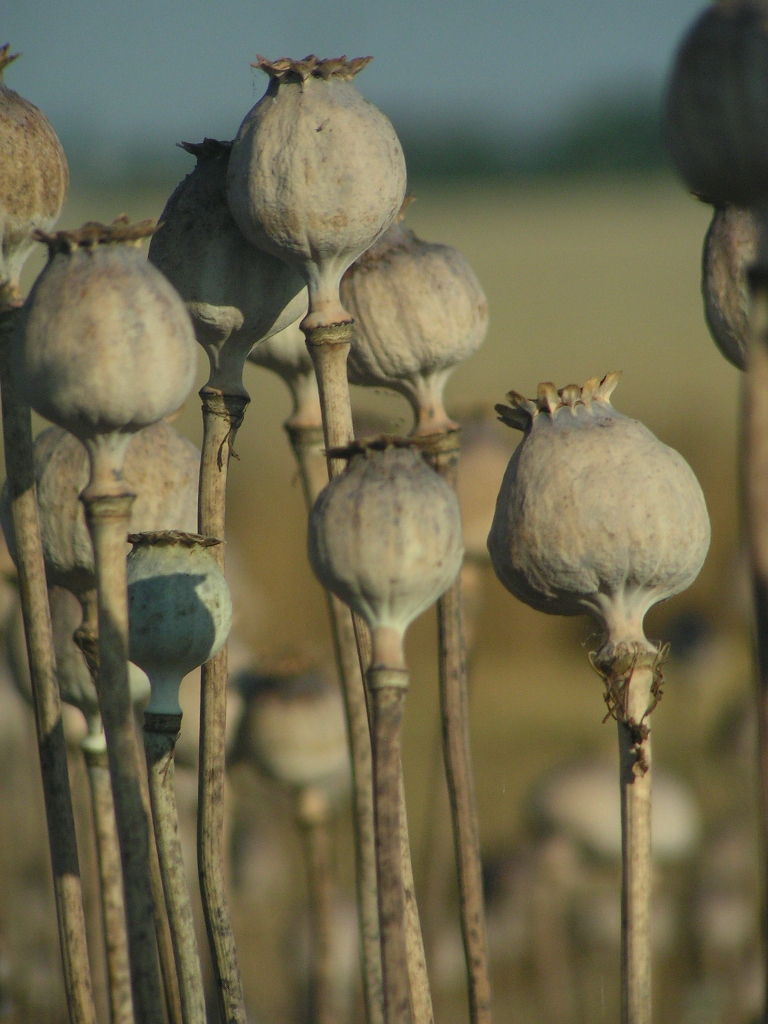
pixel 582 277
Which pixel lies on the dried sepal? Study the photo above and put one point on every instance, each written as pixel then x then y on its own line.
pixel 521 411
pixel 93 233
pixel 207 149
pixel 6 58
pixel 286 69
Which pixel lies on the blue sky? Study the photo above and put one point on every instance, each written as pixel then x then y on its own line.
pixel 181 69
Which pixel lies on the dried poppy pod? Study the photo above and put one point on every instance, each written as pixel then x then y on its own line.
pixel 716 112
pixel 236 294
pixel 33 180
pixel 730 249
pixel 419 310
pixel 596 515
pixel 180 610
pixel 161 468
pixel 385 537
pixel 316 174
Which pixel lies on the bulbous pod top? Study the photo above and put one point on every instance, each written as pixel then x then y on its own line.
pixel 293 726
pixel 226 281
pixel 286 354
pixel 385 537
pixel 179 610
pixel 717 104
pixel 72 673
pixel 482 464
pixel 730 249
pixel 595 514
pixel 105 346
pixel 316 174
pixel 419 310
pixel 161 469
pixel 34 178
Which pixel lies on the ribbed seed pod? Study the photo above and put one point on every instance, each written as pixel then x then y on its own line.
pixel 316 174
pixel 716 111
pixel 385 537
pixel 33 180
pixel 161 468
pixel 237 294
pixel 730 249
pixel 595 515
pixel 419 310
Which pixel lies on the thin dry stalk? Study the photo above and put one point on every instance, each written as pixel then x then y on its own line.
pixel 418 978
pixel 443 454
pixel 329 349
pixel 17 436
pixel 87 638
pixel 222 416
pixel 388 690
pixel 111 883
pixel 108 517
pixel 307 444
pixel 160 735
pixel 312 814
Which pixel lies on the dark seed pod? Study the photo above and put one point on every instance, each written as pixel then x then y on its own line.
pixel 730 248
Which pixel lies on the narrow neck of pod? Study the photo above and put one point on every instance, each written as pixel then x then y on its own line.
pixel 106 453
pixel 442 452
pixel 329 349
pixel 164 701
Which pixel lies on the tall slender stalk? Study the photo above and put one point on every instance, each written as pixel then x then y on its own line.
pixel 222 416
pixel 307 442
pixel 108 517
pixel 111 880
pixel 442 451
pixel 17 437
pixel 312 814
pixel 160 735
pixel 418 978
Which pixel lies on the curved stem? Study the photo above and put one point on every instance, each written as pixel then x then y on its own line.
pixel 388 688
pixel 222 416
pixel 312 814
pixel 443 454
pixel 160 735
pixel 111 879
pixel 108 517
pixel 17 437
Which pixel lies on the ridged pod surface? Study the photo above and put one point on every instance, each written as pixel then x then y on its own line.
pixel 717 104
pixel 385 535
pixel 203 253
pixel 105 345
pixel 34 178
pixel 730 249
pixel 595 514
pixel 161 468
pixel 419 310
pixel 316 174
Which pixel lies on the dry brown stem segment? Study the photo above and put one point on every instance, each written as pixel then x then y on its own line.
pixel 111 879
pixel 312 814
pixel 418 978
pixel 108 517
pixel 633 678
pixel 329 348
pixel 17 436
pixel 388 689
pixel 307 443
pixel 443 454
pixel 222 416
pixel 160 735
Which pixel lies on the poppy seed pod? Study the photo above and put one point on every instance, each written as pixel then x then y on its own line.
pixel 730 249
pixel 385 537
pixel 161 469
pixel 286 354
pixel 179 610
pixel 595 514
pixel 237 294
pixel 33 179
pixel 419 310
pixel 316 174
pixel 717 104
pixel 293 726
pixel 105 346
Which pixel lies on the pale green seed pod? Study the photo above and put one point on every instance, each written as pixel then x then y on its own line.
pixel 595 515
pixel 179 610
pixel 419 310
pixel 316 174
